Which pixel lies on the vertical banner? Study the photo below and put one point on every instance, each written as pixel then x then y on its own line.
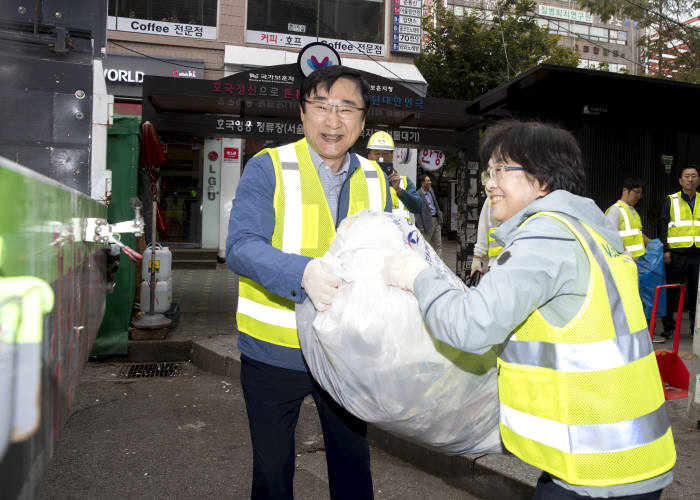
pixel 232 151
pixel 211 193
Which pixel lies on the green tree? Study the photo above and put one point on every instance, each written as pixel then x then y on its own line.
pixel 664 32
pixel 467 56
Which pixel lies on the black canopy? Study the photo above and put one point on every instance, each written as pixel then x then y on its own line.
pixel 264 104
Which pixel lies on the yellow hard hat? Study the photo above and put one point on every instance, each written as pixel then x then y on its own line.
pixel 382 141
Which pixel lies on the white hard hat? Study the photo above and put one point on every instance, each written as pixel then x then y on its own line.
pixel 382 141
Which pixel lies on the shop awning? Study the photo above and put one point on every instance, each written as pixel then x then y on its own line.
pixel 263 104
pixel 240 58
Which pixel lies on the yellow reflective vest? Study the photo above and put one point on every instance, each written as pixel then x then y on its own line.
pixel 397 206
pixel 630 229
pixel 303 226
pixel 683 225
pixel 584 402
pixel 494 247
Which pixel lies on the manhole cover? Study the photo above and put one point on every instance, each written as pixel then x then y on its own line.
pixel 151 370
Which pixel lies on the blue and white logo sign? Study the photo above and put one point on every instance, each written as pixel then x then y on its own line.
pixel 317 55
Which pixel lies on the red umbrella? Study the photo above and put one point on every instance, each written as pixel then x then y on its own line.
pixel 151 153
pixel 151 157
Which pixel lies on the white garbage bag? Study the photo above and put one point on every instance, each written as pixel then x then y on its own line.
pixel 372 352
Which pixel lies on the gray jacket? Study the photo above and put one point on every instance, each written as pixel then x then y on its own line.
pixel 424 221
pixel 542 265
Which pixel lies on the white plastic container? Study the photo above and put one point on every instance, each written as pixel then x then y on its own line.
pixel 163 298
pixel 163 260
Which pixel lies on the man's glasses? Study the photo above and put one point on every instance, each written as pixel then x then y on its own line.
pixel 496 173
pixel 323 109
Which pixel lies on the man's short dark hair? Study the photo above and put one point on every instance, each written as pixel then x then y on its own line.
pixel 423 177
pixel 631 183
pixel 547 152
pixel 324 78
pixel 690 165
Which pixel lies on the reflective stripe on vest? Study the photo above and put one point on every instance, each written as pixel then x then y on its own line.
pixel 584 402
pixel 683 226
pixel 494 246
pixel 303 226
pixel 630 229
pixel 397 206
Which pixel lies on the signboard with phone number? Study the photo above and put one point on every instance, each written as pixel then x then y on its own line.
pixel 407 16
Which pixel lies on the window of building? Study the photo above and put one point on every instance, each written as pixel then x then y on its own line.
pixel 358 20
pixel 459 11
pixel 599 34
pixel 596 50
pixel 616 53
pixel 580 29
pixel 585 48
pixel 606 52
pixel 199 12
pixel 563 27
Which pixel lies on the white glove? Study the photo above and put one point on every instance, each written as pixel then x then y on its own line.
pixel 402 267
pixel 320 285
pixel 476 266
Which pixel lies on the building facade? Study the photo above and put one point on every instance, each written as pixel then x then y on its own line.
pixel 670 51
pixel 612 44
pixel 213 39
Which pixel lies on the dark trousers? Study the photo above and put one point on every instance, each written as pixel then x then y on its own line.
pixel 273 397
pixel 548 490
pixel 682 269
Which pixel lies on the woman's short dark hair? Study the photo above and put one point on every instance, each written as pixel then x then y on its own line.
pixel 547 152
pixel 324 78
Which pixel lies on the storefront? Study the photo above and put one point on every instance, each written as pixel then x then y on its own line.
pixel 181 179
pixel 237 116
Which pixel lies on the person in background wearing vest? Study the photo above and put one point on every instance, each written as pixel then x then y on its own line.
pixel 289 201
pixel 625 218
pixel 404 198
pixel 679 231
pixel 485 244
pixel 579 388
pixel 429 218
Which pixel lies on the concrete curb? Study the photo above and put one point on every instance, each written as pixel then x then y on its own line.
pixel 491 477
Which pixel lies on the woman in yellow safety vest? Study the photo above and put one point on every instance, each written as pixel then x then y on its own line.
pixel 579 388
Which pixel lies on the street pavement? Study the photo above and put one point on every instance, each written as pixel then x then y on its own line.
pixel 187 436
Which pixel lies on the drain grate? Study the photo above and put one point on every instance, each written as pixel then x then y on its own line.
pixel 143 370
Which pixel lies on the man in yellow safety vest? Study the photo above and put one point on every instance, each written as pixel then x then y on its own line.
pixel 625 218
pixel 404 198
pixel 679 231
pixel 485 244
pixel 289 201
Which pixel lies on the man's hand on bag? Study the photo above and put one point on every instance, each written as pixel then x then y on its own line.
pixel 320 285
pixel 667 258
pixel 476 266
pixel 401 268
